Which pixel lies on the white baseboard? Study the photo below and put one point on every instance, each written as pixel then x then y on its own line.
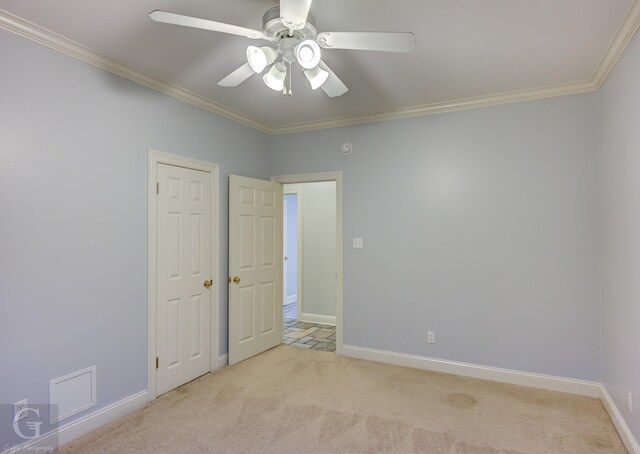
pixel 621 425
pixel 75 429
pixel 567 385
pixel 68 432
pixel 292 299
pixel 223 360
pixel 316 318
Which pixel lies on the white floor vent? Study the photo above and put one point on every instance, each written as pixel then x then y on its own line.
pixel 72 394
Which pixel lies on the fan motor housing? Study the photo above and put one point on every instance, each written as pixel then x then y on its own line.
pixel 274 28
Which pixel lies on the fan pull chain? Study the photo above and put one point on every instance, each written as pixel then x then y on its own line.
pixel 290 93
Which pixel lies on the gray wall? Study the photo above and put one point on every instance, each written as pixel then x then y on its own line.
pixel 485 226
pixel 479 225
pixel 73 228
pixel 620 150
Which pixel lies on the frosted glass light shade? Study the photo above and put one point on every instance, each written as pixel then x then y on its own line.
pixel 316 76
pixel 308 54
pixel 274 79
pixel 260 57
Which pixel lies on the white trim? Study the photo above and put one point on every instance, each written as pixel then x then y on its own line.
pixel 317 318
pixel 41 35
pixel 618 420
pixel 552 383
pixel 153 159
pixel 434 108
pixel 54 416
pixel 337 177
pixel 300 251
pixel 291 299
pixel 81 426
pixel 75 429
pixel 618 44
pixel 223 360
pixel 57 42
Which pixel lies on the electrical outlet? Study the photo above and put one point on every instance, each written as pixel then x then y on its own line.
pixel 431 337
pixel 19 410
pixel 357 243
pixel 630 401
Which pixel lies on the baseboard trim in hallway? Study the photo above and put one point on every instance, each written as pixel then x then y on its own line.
pixel 514 377
pixel 316 318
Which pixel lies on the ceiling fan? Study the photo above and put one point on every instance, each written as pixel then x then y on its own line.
pixel 293 39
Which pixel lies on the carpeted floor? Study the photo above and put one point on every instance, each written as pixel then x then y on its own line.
pixel 294 400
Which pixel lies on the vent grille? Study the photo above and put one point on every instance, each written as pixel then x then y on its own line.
pixel 274 27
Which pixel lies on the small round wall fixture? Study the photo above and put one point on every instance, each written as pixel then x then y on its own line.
pixel 347 147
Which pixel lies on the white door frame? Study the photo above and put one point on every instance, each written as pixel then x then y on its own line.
pixel 298 193
pixel 337 177
pixel 153 159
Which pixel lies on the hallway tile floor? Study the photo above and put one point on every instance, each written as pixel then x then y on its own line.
pixel 307 335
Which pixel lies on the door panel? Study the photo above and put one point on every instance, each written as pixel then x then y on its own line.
pixel 183 333
pixel 268 308
pixel 255 257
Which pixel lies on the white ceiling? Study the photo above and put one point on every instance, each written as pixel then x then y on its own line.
pixel 465 49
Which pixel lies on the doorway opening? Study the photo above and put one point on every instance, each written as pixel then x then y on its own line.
pixel 310 265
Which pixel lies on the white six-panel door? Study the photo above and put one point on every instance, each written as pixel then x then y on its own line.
pixel 255 266
pixel 183 265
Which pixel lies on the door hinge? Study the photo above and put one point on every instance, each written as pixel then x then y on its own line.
pixel 157 188
pixel 157 362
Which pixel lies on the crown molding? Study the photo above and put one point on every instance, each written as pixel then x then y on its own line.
pixel 618 44
pixel 448 106
pixel 69 47
pixel 57 42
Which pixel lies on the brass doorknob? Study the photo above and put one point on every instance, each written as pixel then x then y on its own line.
pixel 208 283
pixel 236 280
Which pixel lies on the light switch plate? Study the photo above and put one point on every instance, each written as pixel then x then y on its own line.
pixel 357 243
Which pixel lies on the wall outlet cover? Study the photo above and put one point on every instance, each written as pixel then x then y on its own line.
pixel 18 409
pixel 431 337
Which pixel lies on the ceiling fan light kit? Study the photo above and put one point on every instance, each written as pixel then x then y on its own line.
pixel 274 79
pixel 260 57
pixel 308 54
pixel 290 30
pixel 316 77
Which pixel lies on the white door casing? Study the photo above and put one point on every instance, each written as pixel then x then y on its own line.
pixel 338 178
pixel 285 252
pixel 184 263
pixel 255 263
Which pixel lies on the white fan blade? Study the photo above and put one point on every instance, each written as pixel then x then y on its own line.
pixel 333 86
pixel 294 13
pixel 380 41
pixel 187 21
pixel 237 77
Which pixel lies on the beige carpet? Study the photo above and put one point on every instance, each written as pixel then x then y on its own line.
pixel 294 400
